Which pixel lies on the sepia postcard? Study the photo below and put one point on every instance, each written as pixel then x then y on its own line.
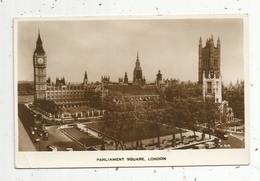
pixel 131 91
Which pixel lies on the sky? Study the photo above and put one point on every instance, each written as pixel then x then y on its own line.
pixel 109 47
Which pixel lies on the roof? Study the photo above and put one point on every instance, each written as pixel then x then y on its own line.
pixel 39 48
pixel 129 90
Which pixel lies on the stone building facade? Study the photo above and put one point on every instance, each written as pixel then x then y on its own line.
pixel 138 78
pixel 62 93
pixel 39 67
pixel 209 59
pixel 75 99
pixel 209 70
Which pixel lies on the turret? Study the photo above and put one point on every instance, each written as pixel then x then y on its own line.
pixel 63 81
pixel 138 74
pixel 200 42
pixel 125 78
pixel 218 43
pixel 85 80
pixel 159 79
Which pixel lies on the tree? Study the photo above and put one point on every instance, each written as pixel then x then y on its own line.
pixel 194 110
pixel 169 119
pixel 102 143
pixel 234 94
pixel 112 126
pixel 193 124
pixel 152 129
pixel 211 112
pixel 155 118
pixel 121 126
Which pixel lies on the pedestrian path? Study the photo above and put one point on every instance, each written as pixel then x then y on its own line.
pixel 25 143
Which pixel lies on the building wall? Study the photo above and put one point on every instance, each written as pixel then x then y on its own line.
pixel 212 88
pixel 66 92
pixel 209 59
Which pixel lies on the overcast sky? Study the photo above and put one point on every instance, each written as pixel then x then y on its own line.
pixel 109 48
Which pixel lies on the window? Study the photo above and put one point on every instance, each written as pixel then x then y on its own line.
pixel 209 87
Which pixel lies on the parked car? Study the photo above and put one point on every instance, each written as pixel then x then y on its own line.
pixel 45 134
pixel 69 149
pixel 193 136
pixel 210 145
pixel 36 140
pixel 91 149
pixel 52 148
pixel 199 146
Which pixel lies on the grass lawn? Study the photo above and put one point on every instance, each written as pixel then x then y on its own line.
pixel 82 137
pixel 146 132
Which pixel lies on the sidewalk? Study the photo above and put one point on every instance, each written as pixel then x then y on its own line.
pixel 25 143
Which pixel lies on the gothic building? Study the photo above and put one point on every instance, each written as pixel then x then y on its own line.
pixel 62 93
pixel 209 59
pixel 75 100
pixel 105 79
pixel 39 66
pixel 159 79
pixel 60 81
pixel 85 80
pixel 209 70
pixel 125 78
pixel 138 78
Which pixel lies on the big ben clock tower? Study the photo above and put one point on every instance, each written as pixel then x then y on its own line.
pixel 39 66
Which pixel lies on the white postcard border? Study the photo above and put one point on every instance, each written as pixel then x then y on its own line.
pixel 27 159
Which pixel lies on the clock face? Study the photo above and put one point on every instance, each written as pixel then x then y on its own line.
pixel 40 61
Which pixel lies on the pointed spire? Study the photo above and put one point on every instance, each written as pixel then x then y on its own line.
pixel 39 48
pixel 218 42
pixel 207 41
pixel 39 40
pixel 200 41
pixel 86 75
pixel 126 78
pixel 85 80
pixel 137 63
pixel 211 40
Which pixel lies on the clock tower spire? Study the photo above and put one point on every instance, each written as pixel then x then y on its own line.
pixel 39 48
pixel 39 66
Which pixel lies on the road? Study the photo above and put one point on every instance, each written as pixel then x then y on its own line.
pixel 234 142
pixel 25 143
pixel 57 139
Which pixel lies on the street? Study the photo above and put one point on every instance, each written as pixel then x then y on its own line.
pixel 233 141
pixel 25 143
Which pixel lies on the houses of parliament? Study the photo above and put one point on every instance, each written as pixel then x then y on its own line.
pixel 209 74
pixel 76 94
pixel 65 94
